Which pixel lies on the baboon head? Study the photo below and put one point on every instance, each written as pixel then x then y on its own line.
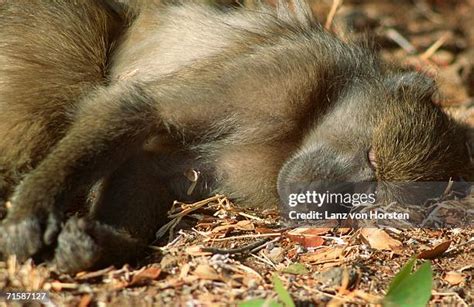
pixel 387 136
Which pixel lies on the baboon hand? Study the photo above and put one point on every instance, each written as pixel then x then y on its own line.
pixel 85 244
pixel 25 236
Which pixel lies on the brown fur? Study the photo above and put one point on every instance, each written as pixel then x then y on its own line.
pixel 253 100
pixel 45 67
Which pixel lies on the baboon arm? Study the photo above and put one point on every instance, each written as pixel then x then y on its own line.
pixel 111 125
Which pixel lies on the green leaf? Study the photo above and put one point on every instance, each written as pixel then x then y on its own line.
pixel 405 271
pixel 296 268
pixel 259 303
pixel 411 289
pixel 283 295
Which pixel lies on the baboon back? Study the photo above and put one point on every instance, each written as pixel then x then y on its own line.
pixel 52 53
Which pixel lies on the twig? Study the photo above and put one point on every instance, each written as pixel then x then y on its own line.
pixel 467 267
pixel 432 214
pixel 249 270
pixel 400 41
pixel 238 250
pixel 456 295
pixel 195 206
pixel 448 188
pixel 96 274
pixel 62 285
pixel 264 260
pixel 458 246
pixel 176 217
pixel 201 233
pixel 263 235
pixel 256 249
pixel 435 46
pixel 251 216
pixel 332 13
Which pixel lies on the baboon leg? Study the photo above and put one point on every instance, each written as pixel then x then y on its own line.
pixel 131 203
pixel 111 126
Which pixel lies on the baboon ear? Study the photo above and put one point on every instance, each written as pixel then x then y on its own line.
pixel 414 84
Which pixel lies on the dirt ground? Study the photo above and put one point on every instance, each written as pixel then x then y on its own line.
pixel 219 255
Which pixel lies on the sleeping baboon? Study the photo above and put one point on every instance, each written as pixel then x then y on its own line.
pixel 134 96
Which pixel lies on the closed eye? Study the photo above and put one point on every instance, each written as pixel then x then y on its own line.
pixel 372 158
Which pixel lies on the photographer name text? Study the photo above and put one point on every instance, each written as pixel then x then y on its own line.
pixel 372 215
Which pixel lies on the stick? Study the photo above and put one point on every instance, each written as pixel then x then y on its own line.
pixel 332 13
pixel 239 250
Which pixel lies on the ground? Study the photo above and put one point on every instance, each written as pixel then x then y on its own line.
pixel 221 255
